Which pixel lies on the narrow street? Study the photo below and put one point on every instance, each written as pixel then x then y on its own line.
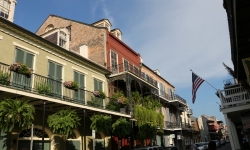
pixel 227 146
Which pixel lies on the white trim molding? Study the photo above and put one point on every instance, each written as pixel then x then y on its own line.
pixel 59 62
pixel 25 48
pixel 85 73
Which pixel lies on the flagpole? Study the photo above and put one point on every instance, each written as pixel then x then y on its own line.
pixel 204 80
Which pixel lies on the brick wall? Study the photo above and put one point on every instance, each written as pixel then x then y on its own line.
pixel 81 34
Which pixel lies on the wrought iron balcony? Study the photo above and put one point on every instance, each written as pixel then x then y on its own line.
pixel 175 125
pixel 234 96
pixel 120 68
pixel 177 97
pixel 48 87
pixel 189 111
pixel 229 82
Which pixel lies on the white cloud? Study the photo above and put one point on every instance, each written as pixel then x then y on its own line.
pixel 176 36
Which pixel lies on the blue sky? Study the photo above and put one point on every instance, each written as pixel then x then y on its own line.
pixel 172 36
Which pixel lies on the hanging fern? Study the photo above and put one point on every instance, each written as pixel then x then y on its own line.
pixel 63 122
pixel 121 128
pixel 101 123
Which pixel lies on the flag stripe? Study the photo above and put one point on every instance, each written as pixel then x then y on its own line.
pixel 197 81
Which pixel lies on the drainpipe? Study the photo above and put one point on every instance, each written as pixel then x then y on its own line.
pixel 236 41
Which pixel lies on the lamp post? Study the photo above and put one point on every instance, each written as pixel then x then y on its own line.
pixel 44 109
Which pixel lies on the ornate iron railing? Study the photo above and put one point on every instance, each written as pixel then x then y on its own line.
pixel 234 96
pixel 177 97
pixel 116 69
pixel 54 88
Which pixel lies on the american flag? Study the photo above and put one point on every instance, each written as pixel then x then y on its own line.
pixel 197 81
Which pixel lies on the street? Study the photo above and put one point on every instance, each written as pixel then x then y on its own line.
pixel 227 146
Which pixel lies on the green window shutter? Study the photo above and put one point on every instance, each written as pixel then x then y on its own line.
pixel 76 77
pixel 19 56
pixel 82 83
pixel 29 60
pixel 100 86
pixel 58 72
pixel 51 70
pixel 95 85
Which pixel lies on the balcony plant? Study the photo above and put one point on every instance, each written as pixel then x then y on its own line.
pixel 71 85
pixel 117 101
pixel 100 94
pixel 21 69
pixel 101 123
pixel 44 88
pixel 121 128
pixel 63 122
pixel 15 115
pixel 96 102
pixel 4 78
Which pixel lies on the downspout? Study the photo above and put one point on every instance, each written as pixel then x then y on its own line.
pixel 236 41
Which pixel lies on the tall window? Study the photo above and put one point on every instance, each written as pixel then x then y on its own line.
pixel 79 95
pixel 136 71
pixel 4 8
pixel 55 78
pixel 143 75
pixel 62 39
pixel 20 80
pixel 114 62
pixel 126 65
pixel 162 90
pixel 98 85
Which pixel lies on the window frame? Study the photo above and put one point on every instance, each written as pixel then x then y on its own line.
pixel 116 61
pixel 124 65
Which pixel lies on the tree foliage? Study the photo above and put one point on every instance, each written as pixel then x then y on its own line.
pixel 63 122
pixel 15 114
pixel 121 128
pixel 147 115
pixel 101 123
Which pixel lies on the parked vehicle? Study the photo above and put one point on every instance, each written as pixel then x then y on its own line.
pixel 171 148
pixel 201 145
pixel 222 142
pixel 217 143
pixel 191 147
pixel 149 148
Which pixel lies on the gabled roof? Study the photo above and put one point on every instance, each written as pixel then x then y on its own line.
pixel 101 21
pixel 52 15
pixel 12 26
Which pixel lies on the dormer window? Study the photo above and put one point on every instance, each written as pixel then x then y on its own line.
pixel 48 28
pixel 62 39
pixel 4 8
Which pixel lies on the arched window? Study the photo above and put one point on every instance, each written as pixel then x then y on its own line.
pixel 48 28
pixel 36 133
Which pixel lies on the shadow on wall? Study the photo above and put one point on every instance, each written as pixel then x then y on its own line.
pixel 3 141
pixel 70 145
pixel 99 144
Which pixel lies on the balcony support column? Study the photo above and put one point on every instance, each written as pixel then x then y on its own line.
pixel 234 141
pixel 44 110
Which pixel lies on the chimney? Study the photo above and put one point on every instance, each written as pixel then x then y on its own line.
pixel 84 51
